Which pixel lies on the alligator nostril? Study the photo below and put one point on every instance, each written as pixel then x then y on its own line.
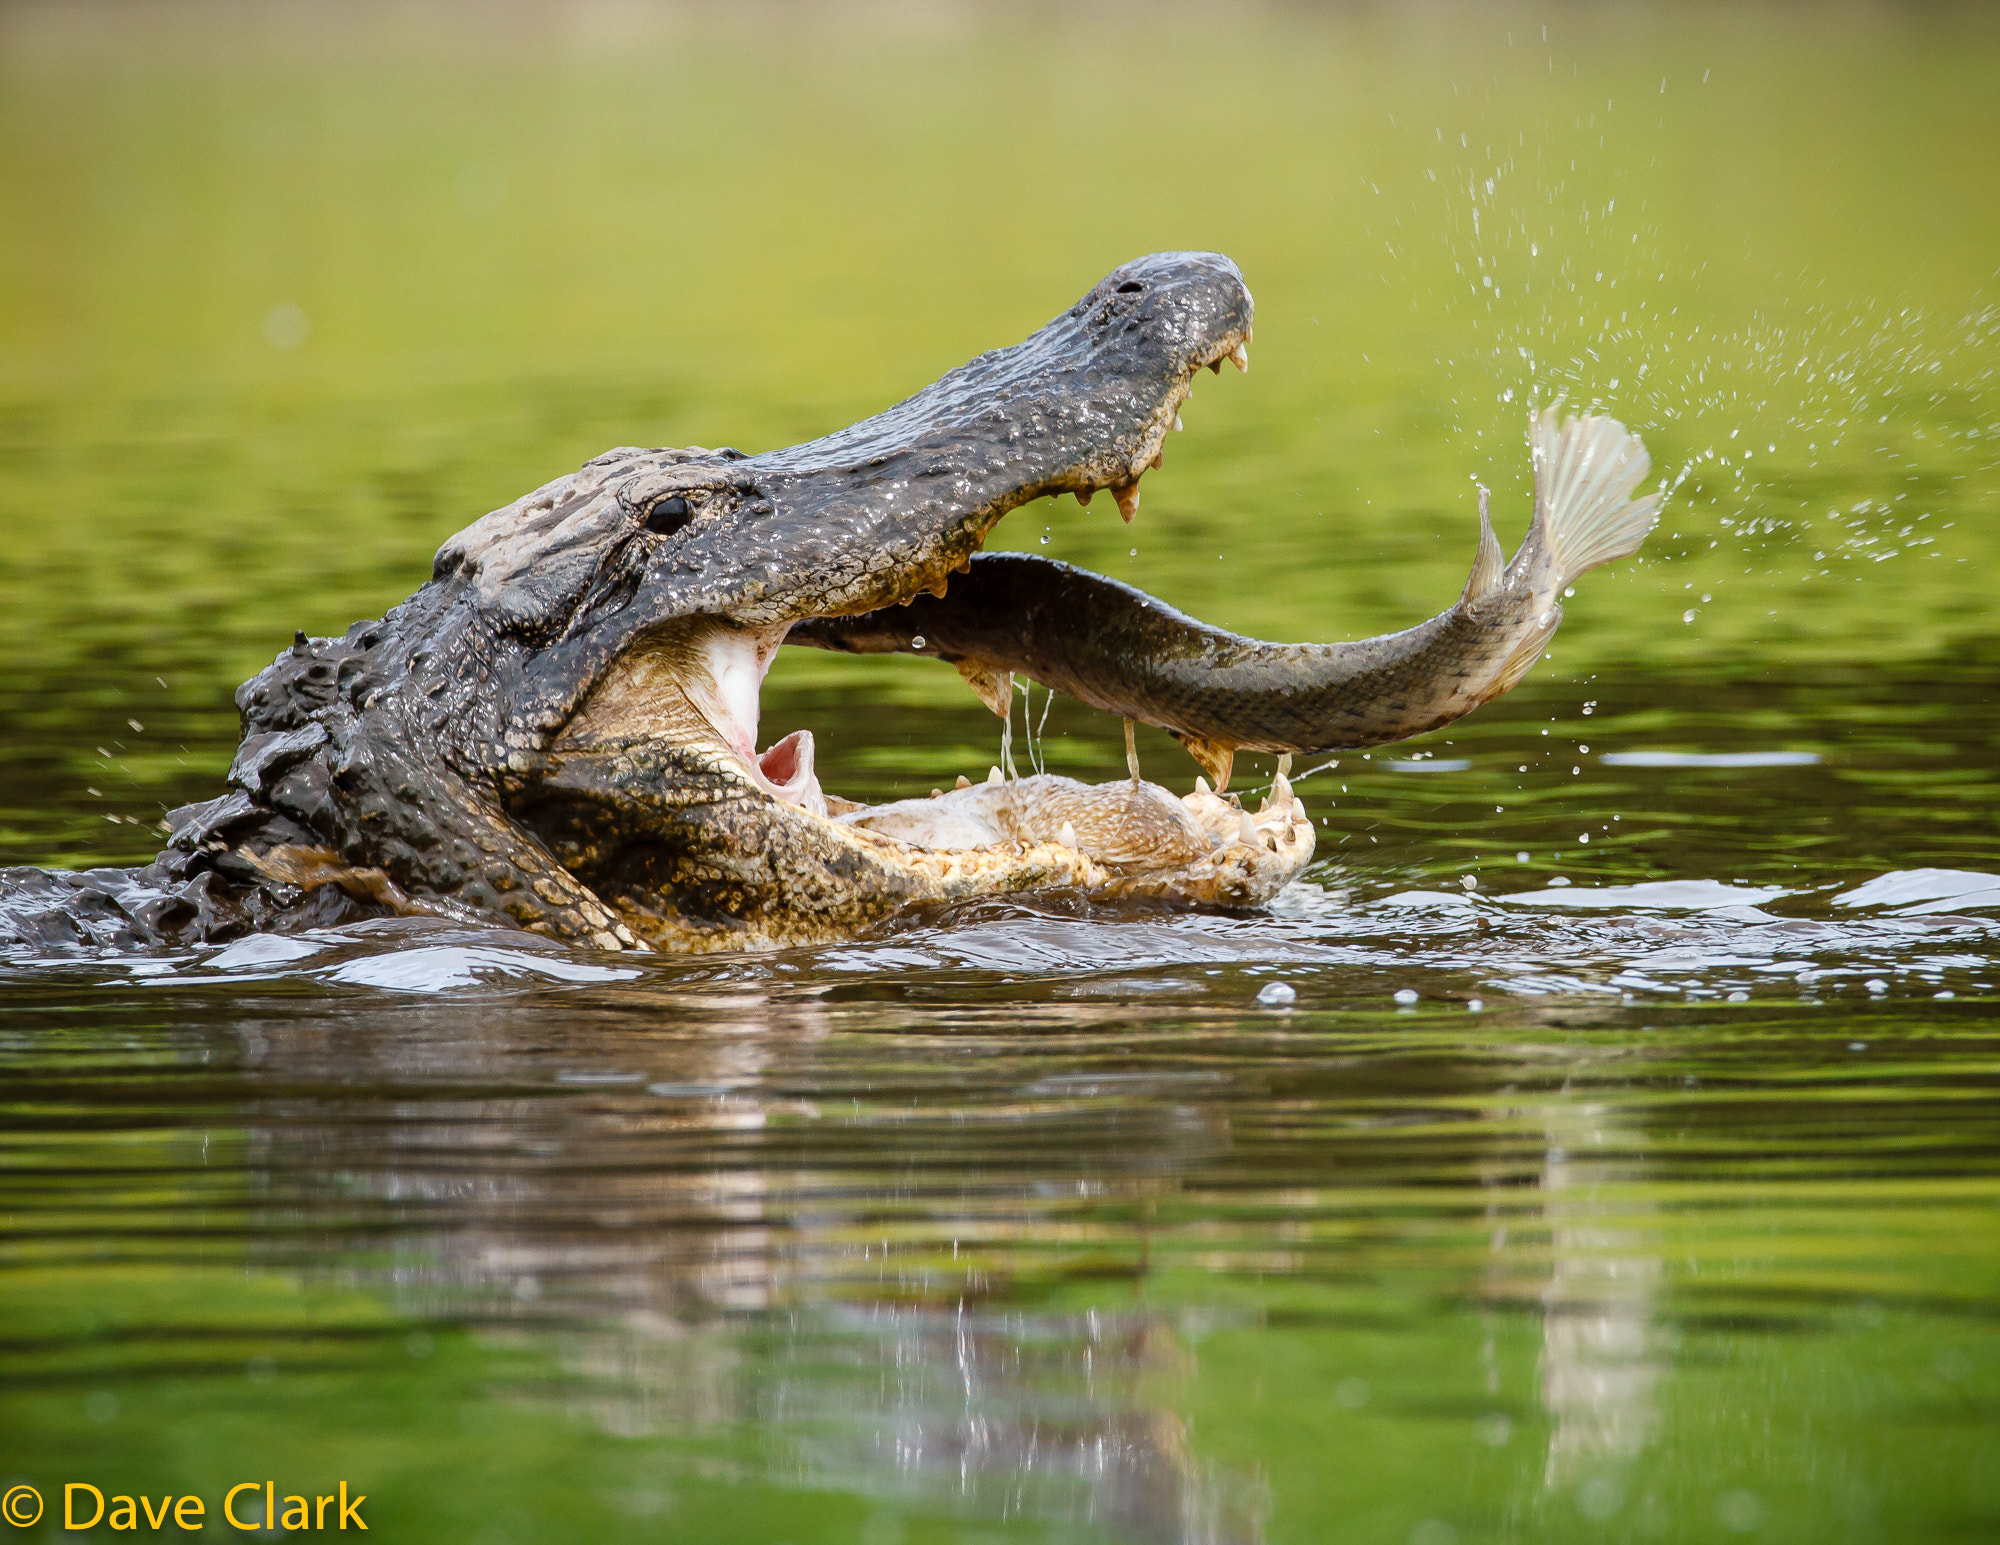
pixel 1131 287
pixel 668 516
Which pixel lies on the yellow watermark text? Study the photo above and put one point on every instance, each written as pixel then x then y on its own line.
pixel 248 1505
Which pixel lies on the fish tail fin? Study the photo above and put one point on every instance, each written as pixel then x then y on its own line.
pixel 1585 472
pixel 1489 566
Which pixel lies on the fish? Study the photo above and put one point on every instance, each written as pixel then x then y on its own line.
pixel 1118 649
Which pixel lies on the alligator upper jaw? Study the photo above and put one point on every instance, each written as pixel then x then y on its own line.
pixel 885 510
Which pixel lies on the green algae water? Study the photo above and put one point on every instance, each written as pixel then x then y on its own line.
pixel 1621 1160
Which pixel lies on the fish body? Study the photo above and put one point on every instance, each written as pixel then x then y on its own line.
pixel 1118 649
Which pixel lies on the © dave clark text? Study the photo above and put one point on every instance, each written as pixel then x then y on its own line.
pixel 248 1505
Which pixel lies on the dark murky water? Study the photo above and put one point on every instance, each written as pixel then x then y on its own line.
pixel 1601 1146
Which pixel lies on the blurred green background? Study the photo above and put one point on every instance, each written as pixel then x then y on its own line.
pixel 289 293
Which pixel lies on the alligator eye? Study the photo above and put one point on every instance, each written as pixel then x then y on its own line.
pixel 1131 287
pixel 668 516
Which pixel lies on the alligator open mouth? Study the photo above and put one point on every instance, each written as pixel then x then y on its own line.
pixel 679 710
pixel 709 671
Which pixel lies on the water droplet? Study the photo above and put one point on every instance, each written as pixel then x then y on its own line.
pixel 1406 995
pixel 286 326
pixel 1277 995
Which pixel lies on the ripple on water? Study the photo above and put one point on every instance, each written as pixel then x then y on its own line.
pixel 1669 937
pixel 1912 892
pixel 1652 896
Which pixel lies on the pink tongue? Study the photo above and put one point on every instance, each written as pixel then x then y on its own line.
pixel 781 763
pixel 787 769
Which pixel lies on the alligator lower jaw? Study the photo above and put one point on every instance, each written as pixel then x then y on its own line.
pixel 710 862
pixel 682 710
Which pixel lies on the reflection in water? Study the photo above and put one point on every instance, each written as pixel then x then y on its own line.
pixel 652 1213
pixel 1019 1415
pixel 1600 1362
pixel 1105 1247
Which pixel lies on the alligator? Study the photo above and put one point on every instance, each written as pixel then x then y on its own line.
pixel 559 730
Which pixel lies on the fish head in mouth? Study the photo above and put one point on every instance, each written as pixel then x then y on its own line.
pixel 561 728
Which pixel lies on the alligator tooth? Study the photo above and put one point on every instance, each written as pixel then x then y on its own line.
pixel 963 566
pixel 1083 496
pixel 1067 836
pixel 937 587
pixel 937 793
pixel 1128 501
pixel 994 688
pixel 1281 786
pixel 1159 458
pixel 1201 785
pixel 994 775
pixel 1241 356
pixel 963 782
pixel 1178 426
pixel 1215 367
pixel 1213 757
pixel 1247 830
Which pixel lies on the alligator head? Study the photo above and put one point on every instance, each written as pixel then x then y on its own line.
pixel 561 728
